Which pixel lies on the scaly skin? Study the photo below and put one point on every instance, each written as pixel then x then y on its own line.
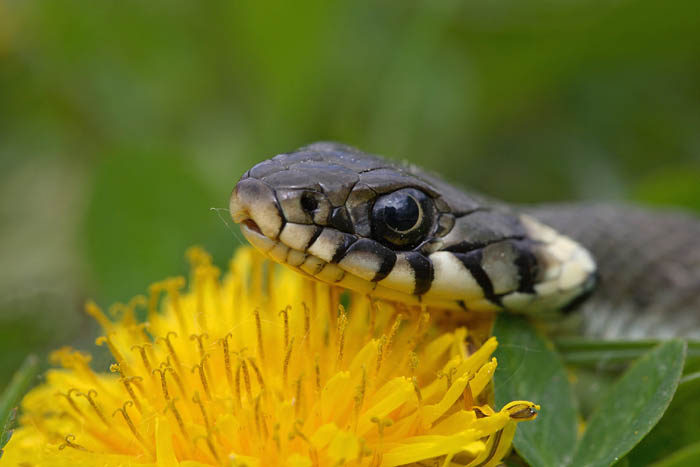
pixel 397 232
pixel 648 265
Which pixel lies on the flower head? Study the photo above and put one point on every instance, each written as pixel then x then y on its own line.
pixel 267 368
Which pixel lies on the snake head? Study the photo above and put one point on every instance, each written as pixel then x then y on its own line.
pixel 345 217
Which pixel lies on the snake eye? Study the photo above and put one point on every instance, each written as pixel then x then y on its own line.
pixel 402 218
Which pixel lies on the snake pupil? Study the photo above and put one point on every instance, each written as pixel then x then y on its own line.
pixel 402 214
pixel 403 218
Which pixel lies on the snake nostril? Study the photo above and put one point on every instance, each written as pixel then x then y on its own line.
pixel 308 202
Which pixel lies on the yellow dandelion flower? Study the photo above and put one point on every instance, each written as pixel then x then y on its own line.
pixel 256 370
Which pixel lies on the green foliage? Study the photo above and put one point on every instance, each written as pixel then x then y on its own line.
pixel 629 409
pixel 25 329
pixel 530 369
pixel 143 208
pixel 689 455
pixel 20 382
pixel 677 429
pixel 632 406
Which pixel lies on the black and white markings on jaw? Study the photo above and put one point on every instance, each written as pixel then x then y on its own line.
pixel 348 218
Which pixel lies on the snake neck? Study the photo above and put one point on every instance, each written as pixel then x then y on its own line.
pixel 648 265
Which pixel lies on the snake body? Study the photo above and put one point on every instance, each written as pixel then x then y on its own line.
pixel 395 231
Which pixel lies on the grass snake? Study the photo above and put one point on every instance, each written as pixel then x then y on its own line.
pixel 395 231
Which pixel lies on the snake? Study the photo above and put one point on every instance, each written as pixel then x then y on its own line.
pixel 401 233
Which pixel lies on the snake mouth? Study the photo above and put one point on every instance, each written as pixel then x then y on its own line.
pixel 251 225
pixel 251 231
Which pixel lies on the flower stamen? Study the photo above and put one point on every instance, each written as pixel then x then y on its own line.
pixel 373 310
pixel 380 353
pixel 90 396
pixel 317 372
pixel 127 385
pixel 144 357
pixel 112 348
pixel 258 328
pixel 131 425
pixel 260 419
pixel 95 311
pixel 360 394
pixel 68 443
pixel 202 377
pixel 197 400
pixel 238 395
pixel 176 413
pixel 297 395
pixel 210 444
pixel 285 316
pixel 227 360
pixel 171 349
pixel 163 384
pixel 258 374
pixel 307 325
pixel 416 390
pixel 341 325
pixel 176 377
pixel 392 333
pixel 246 378
pixel 287 358
pixel 70 400
pixel 200 346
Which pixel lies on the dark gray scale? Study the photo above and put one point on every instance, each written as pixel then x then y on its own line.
pixel 292 180
pixel 349 157
pixel 264 168
pixel 386 180
pixel 334 180
pixel 359 204
pixel 340 219
pixel 481 228
pixel 288 160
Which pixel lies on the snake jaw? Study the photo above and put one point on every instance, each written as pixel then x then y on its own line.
pixel 255 237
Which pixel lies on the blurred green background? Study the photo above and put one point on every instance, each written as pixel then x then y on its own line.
pixel 122 124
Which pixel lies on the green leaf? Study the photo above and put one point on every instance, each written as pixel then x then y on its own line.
pixel 632 407
pixel 584 351
pixel 529 369
pixel 677 428
pixel 19 384
pixel 690 455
